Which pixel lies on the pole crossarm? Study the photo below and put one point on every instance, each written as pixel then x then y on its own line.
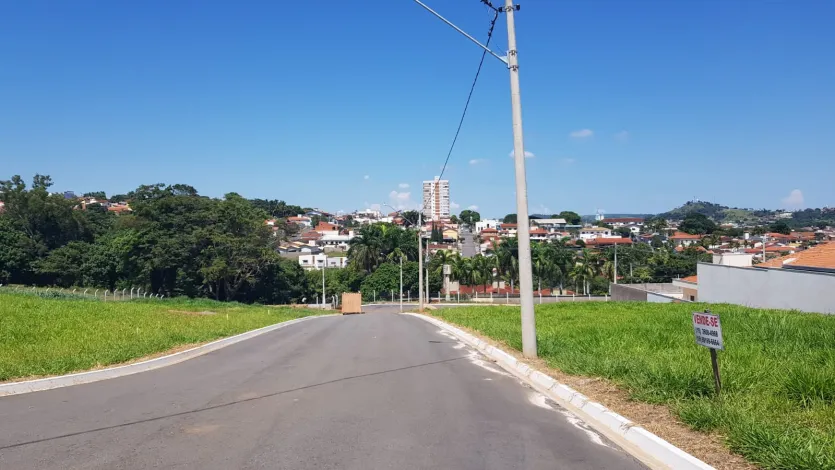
pixel 474 40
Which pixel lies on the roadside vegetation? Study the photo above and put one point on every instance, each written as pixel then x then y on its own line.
pixel 777 406
pixel 44 334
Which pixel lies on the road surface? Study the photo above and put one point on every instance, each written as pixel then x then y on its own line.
pixel 357 392
pixel 468 246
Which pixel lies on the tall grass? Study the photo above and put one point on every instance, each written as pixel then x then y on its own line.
pixel 40 336
pixel 778 399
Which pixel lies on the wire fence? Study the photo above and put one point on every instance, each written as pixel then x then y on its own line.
pixel 106 295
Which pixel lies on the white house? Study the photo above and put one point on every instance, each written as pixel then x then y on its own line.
pixel 318 261
pixel 487 223
pixel 590 233
pixel 551 225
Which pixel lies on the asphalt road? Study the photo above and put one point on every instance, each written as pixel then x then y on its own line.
pixel 468 246
pixel 368 391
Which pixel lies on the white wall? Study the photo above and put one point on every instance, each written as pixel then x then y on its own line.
pixel 767 288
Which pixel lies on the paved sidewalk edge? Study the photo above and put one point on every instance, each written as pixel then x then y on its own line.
pixel 48 383
pixel 662 453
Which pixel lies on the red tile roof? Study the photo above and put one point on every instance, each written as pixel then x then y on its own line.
pixel 693 279
pixel 298 219
pixel 326 227
pixel 608 241
pixel 311 235
pixel 685 236
pixel 820 256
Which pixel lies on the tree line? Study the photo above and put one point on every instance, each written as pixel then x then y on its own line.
pixel 174 242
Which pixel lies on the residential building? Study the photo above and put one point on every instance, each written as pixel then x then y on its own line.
pixel 550 225
pixel 319 260
pixel 436 203
pixel 119 208
pixel 300 220
pixel 339 240
pixel 487 223
pixel 803 281
pixel 450 234
pixel 508 230
pixel 589 233
pixel 326 228
pixel 624 221
pixel 684 239
pixel 607 241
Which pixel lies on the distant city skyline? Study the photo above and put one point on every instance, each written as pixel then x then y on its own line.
pixel 627 106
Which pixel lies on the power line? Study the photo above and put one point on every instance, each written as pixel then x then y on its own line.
pixel 472 88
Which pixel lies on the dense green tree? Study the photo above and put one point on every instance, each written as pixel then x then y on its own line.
pixel 697 224
pixel 509 219
pixel 469 217
pixel 572 218
pixel 96 194
pixel 780 227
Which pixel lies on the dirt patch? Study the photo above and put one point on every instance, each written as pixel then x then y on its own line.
pixel 205 312
pixel 657 419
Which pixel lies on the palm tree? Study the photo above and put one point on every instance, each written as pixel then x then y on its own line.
pixel 365 250
pixel 507 259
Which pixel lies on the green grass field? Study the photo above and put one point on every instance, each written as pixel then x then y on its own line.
pixel 48 336
pixel 778 369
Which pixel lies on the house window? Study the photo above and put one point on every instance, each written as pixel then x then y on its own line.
pixel 692 298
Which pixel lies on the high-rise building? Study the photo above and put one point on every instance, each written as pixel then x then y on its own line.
pixel 436 199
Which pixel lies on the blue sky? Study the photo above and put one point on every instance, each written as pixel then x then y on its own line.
pixel 629 106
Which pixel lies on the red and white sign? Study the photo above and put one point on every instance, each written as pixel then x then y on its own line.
pixel 708 330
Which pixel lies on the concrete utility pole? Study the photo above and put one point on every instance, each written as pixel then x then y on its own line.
pixel 420 260
pixel 523 223
pixel 323 284
pixel 523 230
pixel 615 275
pixel 401 284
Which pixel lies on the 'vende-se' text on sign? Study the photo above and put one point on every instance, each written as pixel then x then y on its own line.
pixel 708 330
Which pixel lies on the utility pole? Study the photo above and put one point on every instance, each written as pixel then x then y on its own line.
pixel 615 275
pixel 323 283
pixel 420 260
pixel 401 284
pixel 523 233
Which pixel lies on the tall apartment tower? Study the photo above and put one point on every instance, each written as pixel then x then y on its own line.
pixel 436 199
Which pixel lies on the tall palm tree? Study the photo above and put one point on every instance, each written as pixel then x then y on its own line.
pixel 365 250
pixel 507 259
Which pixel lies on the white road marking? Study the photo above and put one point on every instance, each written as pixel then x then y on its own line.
pixel 540 400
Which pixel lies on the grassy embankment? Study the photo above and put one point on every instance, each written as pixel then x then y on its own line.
pixel 778 370
pixel 50 336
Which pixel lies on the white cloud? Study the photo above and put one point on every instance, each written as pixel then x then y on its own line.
pixel 401 200
pixel 373 207
pixel 582 134
pixel 794 200
pixel 476 161
pixel 366 177
pixel 568 161
pixel 541 209
pixel 473 207
pixel 454 205
pixel 622 136
pixel 403 185
pixel 527 154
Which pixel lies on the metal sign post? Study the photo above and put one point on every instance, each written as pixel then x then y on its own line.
pixel 708 330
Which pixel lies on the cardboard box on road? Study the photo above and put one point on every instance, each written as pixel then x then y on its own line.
pixel 351 303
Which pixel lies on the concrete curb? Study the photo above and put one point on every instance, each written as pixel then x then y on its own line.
pixel 649 448
pixel 17 388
